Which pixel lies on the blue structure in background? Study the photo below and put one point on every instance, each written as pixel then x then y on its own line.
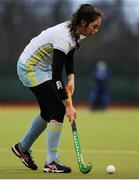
pixel 99 96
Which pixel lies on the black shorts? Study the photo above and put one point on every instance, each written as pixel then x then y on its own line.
pixel 51 105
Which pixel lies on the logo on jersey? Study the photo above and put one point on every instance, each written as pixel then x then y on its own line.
pixel 59 85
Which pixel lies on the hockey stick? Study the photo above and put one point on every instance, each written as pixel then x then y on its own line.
pixel 84 168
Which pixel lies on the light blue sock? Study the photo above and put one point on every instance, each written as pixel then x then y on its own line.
pixel 37 127
pixel 53 141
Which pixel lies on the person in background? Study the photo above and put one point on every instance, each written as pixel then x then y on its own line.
pixel 99 96
pixel 40 69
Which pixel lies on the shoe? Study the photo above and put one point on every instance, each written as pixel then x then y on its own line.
pixel 25 156
pixel 56 167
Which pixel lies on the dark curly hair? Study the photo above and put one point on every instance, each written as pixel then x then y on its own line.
pixel 86 12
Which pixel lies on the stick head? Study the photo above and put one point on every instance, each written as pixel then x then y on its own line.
pixel 86 168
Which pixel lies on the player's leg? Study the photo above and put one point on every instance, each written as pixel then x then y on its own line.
pixel 105 100
pixel 37 127
pixel 52 163
pixel 53 110
pixel 22 149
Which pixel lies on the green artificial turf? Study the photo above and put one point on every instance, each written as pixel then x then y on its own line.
pixel 106 137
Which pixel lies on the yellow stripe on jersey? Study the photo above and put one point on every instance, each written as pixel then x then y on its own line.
pixel 29 67
pixel 39 54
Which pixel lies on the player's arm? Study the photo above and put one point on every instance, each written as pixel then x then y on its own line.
pixel 69 65
pixel 59 59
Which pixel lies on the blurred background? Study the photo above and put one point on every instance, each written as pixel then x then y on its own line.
pixel 117 44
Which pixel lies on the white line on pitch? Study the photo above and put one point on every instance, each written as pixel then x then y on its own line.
pixel 86 151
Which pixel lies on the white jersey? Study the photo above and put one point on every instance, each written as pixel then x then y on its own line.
pixel 34 64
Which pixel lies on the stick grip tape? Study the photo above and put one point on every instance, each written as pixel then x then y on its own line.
pixel 74 128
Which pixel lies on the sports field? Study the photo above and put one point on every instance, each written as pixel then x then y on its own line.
pixel 110 137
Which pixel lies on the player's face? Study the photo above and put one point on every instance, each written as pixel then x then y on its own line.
pixel 92 28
